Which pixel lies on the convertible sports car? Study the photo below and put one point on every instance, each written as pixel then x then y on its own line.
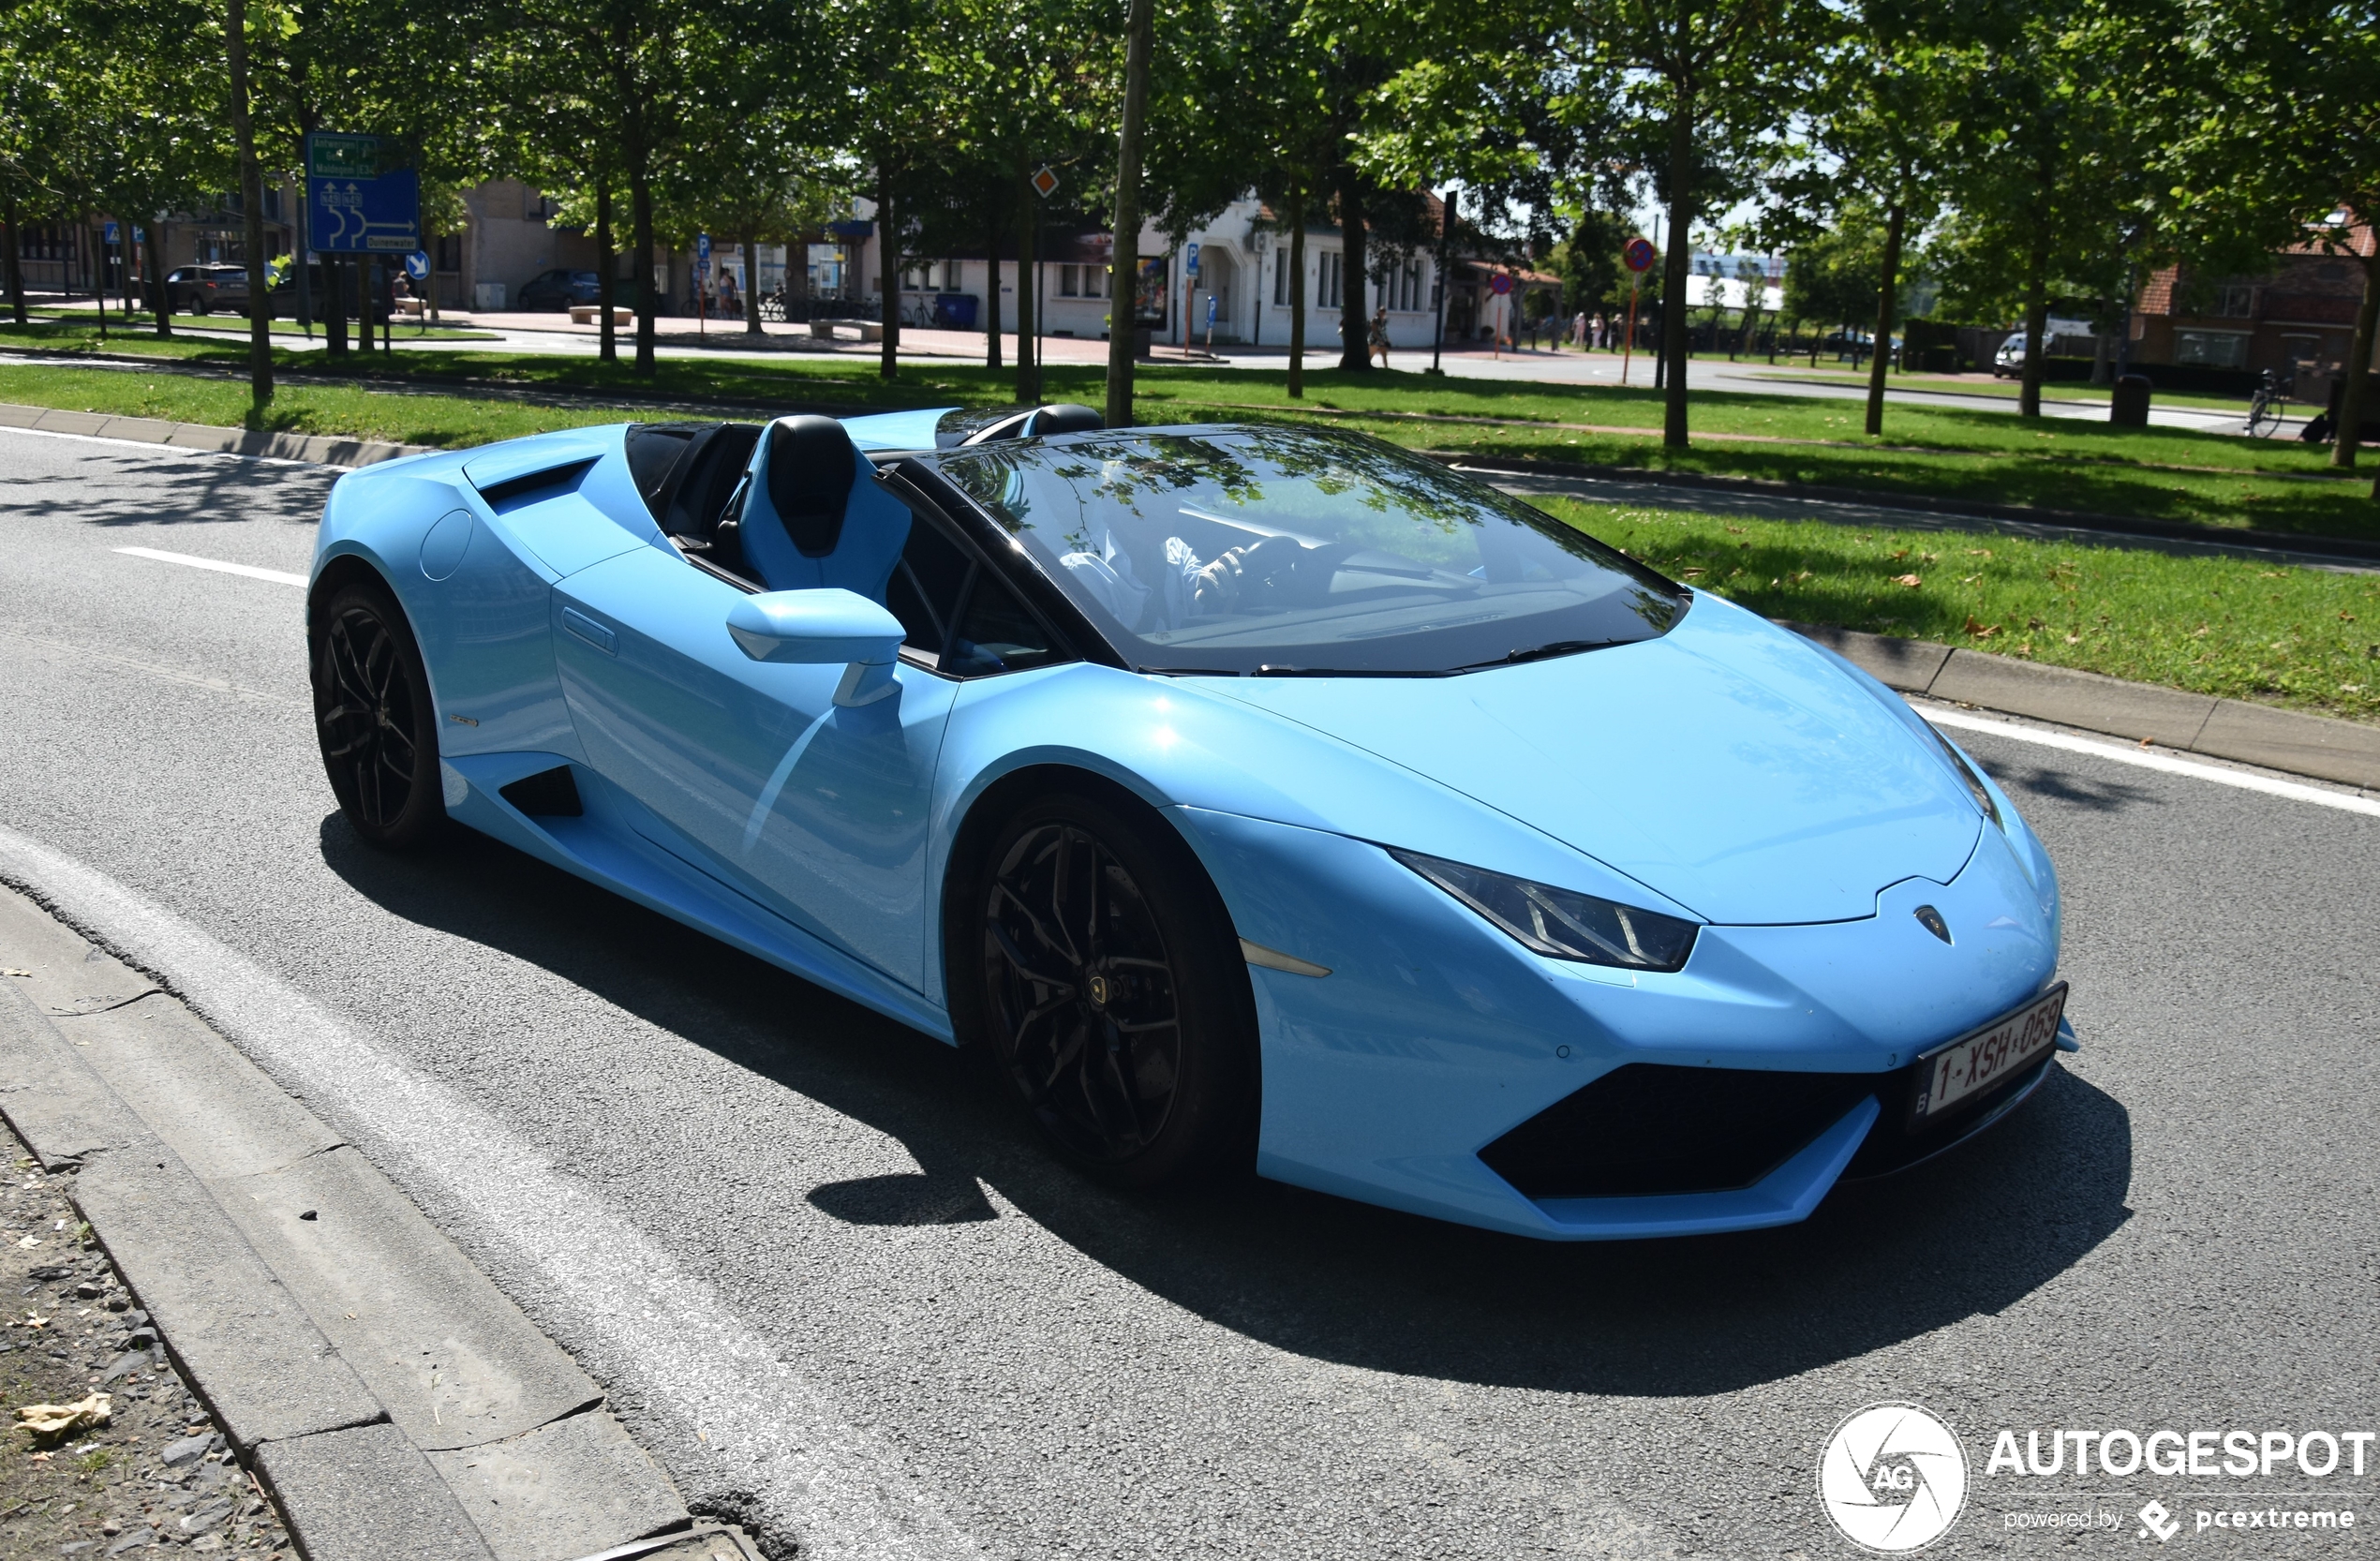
pixel 1261 797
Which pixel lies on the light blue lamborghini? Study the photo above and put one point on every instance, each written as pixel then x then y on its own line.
pixel 1264 799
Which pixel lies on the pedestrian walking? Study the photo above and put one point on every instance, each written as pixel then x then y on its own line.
pixel 1378 340
pixel 731 303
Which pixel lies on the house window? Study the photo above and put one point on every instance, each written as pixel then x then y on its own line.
pixel 1405 287
pixel 1070 280
pixel 1281 276
pixel 1331 287
pixel 2211 349
pixel 950 274
pixel 448 248
pixel 2236 302
pixel 917 278
pixel 1095 281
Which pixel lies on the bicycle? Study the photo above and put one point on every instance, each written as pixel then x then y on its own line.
pixel 2263 407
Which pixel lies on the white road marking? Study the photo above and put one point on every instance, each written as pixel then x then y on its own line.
pixel 762 1427
pixel 172 674
pixel 278 576
pixel 2144 758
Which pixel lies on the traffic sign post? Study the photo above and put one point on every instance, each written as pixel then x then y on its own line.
pixel 1637 255
pixel 1189 284
pixel 702 278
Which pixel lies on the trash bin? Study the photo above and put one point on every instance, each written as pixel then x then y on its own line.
pixel 955 311
pixel 2129 407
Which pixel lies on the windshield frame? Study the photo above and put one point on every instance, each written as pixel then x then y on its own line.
pixel 1005 543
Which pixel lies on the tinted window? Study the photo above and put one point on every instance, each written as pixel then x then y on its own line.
pixel 1242 549
pixel 996 633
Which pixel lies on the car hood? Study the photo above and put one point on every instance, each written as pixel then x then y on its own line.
pixel 1729 765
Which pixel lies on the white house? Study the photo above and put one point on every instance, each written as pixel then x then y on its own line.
pixel 1237 296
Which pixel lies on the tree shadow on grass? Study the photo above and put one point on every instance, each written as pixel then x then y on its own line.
pixel 1971 1233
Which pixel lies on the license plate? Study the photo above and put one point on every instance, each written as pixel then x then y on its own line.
pixel 1995 1052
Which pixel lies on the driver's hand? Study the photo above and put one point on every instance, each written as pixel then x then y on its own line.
pixel 1216 588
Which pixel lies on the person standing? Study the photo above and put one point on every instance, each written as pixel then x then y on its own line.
pixel 1378 340
pixel 731 302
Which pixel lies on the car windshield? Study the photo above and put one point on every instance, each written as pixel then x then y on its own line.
pixel 1287 551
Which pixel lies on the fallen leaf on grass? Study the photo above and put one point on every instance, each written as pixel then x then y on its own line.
pixel 1979 552
pixel 1911 581
pixel 61 1420
pixel 1981 630
pixel 2343 618
pixel 2074 639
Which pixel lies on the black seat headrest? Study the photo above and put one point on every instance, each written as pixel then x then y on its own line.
pixel 811 466
pixel 1065 417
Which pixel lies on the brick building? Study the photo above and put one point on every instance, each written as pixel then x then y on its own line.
pixel 2299 317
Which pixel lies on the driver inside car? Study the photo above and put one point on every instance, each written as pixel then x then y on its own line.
pixel 1185 587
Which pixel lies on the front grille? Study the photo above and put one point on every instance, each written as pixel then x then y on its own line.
pixel 1648 1129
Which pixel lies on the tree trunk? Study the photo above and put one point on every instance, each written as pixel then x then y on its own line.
pixel 14 263
pixel 2351 401
pixel 991 293
pixel 1297 292
pixel 888 276
pixel 155 249
pixel 607 271
pixel 1675 265
pixel 1355 321
pixel 1887 294
pixel 1028 250
pixel 1124 278
pixel 2036 322
pixel 640 227
pixel 252 201
pixel 751 286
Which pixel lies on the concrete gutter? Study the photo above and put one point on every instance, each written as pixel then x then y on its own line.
pixel 388 1397
pixel 2342 750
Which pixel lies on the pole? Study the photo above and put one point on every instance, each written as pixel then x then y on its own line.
pixel 1628 346
pixel 1446 233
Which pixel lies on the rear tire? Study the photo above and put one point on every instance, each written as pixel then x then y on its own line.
pixel 375 720
pixel 1109 983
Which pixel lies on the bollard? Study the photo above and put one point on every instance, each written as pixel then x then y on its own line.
pixel 2129 407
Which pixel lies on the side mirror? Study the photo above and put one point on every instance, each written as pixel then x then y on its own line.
pixel 819 628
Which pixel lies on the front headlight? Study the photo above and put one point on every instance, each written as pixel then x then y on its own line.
pixel 1562 924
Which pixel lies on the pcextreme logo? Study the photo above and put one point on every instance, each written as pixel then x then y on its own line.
pixel 1891 1478
pixel 1894 1477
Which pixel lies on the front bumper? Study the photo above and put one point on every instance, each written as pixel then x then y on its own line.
pixel 1435 1037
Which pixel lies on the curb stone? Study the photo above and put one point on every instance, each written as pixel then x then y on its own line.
pixel 2345 751
pixel 320 449
pixel 390 1399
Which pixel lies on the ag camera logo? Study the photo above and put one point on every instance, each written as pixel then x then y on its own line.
pixel 1892 1479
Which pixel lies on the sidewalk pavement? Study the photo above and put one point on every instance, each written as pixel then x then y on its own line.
pixel 384 1393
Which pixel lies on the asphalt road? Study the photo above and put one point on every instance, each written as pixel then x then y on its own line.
pixel 2178 1232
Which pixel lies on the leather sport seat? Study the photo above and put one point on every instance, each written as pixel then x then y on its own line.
pixel 813 515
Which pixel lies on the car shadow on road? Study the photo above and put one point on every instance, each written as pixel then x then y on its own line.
pixel 1973 1232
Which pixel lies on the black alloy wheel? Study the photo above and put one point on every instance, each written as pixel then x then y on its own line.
pixel 374 716
pixel 1114 995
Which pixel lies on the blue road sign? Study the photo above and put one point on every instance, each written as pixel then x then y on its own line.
pixel 112 231
pixel 356 204
pixel 701 248
pixel 140 235
pixel 417 266
pixel 1190 260
pixel 1210 311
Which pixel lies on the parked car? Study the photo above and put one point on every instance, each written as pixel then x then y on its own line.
pixel 2009 361
pixel 204 288
pixel 559 289
pixel 1260 799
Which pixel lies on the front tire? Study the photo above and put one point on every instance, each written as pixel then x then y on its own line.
pixel 1112 993
pixel 376 720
